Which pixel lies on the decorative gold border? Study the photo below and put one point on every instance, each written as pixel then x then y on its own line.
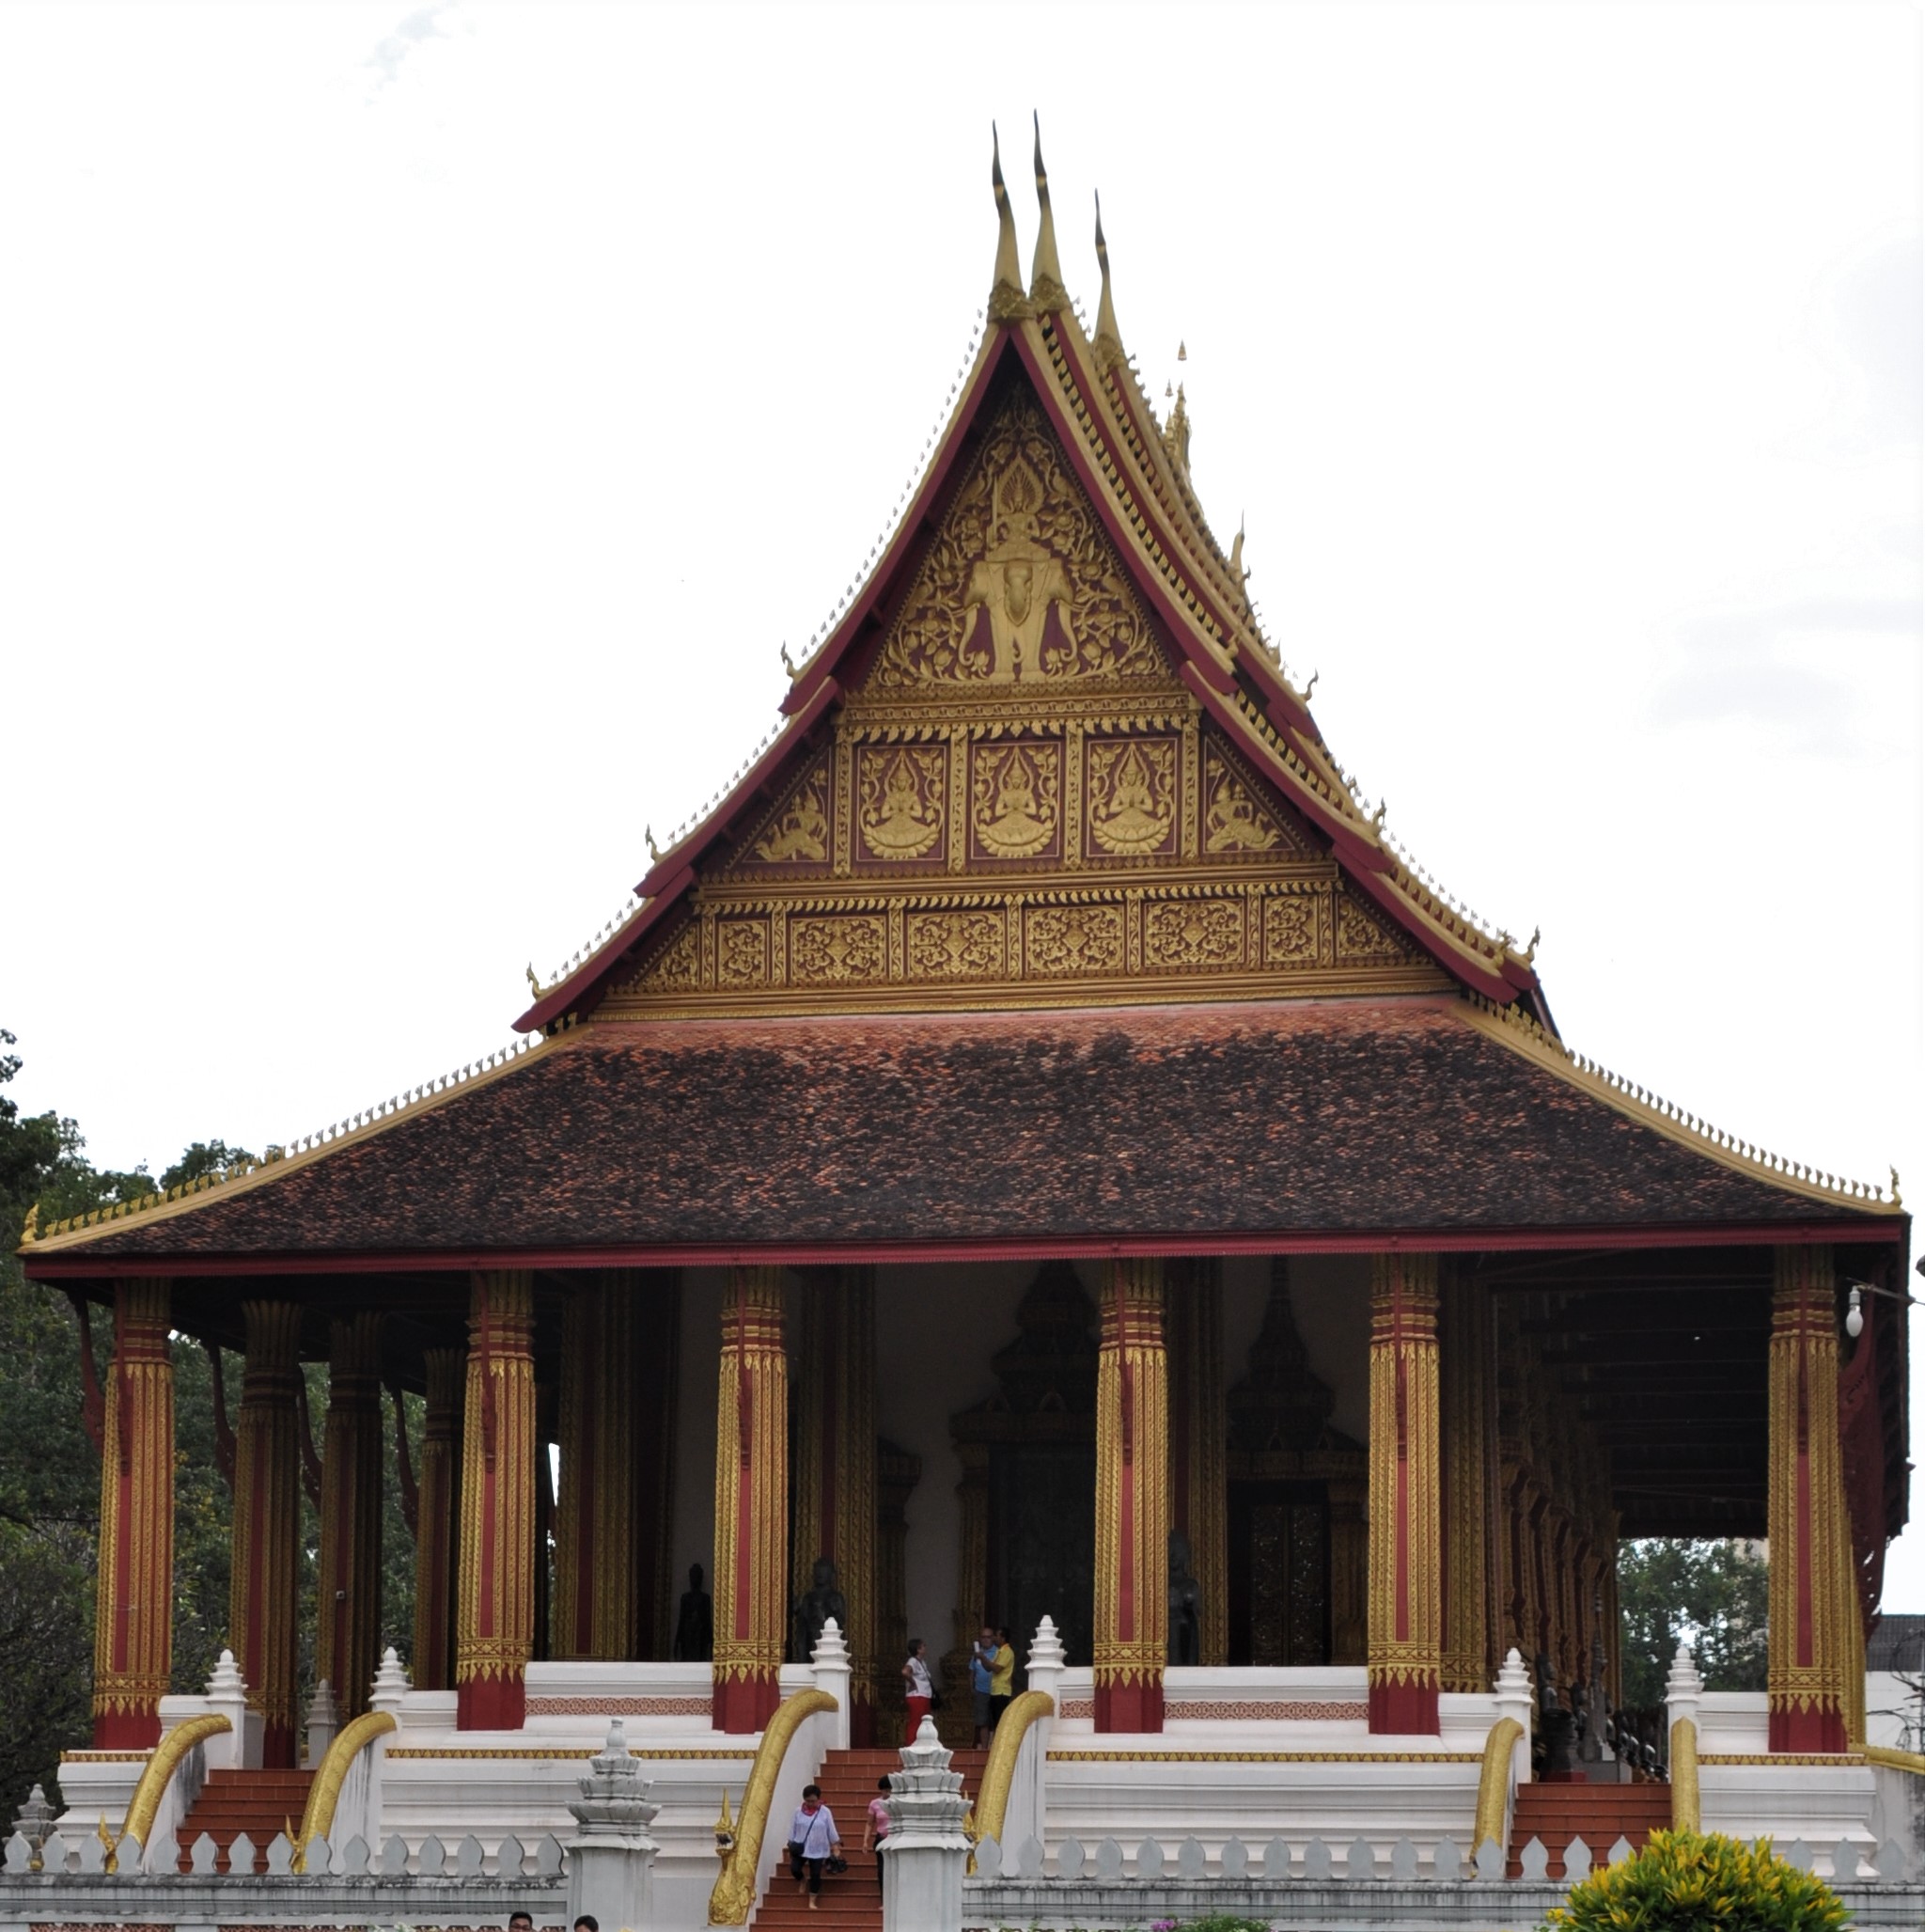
pixel 1268 1757
pixel 540 1754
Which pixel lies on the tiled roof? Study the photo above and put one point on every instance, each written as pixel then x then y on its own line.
pixel 1344 1118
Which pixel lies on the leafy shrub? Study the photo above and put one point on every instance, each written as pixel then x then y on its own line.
pixel 1685 1881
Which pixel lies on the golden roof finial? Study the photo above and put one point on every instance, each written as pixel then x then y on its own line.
pixel 1109 341
pixel 789 663
pixel 1530 951
pixel 1047 295
pixel 1897 1198
pixel 31 1229
pixel 1176 433
pixel 1006 298
pixel 1182 353
pixel 533 981
pixel 649 840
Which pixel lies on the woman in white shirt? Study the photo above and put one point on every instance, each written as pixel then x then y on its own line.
pixel 918 1688
pixel 813 1840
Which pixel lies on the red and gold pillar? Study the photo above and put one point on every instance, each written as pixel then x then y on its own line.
pixel 1467 1429
pixel 835 1464
pixel 1199 1440
pixel 751 1503
pixel 263 1612
pixel 1812 1597
pixel 437 1489
pixel 1406 1594
pixel 134 1613
pixel 347 1631
pixel 595 1612
pixel 1132 1633
pixel 495 1634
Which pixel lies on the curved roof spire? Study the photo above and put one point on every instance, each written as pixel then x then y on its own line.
pixel 1109 342
pixel 1006 296
pixel 1046 291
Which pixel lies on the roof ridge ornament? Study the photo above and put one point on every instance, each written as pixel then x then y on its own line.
pixel 1109 341
pixel 1007 301
pixel 1047 295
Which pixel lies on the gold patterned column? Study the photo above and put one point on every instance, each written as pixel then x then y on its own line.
pixel 835 1487
pixel 1198 1440
pixel 1466 1441
pixel 496 1613
pixel 954 1722
pixel 1406 1594
pixel 263 1612
pixel 133 1613
pixel 1812 1597
pixel 346 1633
pixel 596 1524
pixel 751 1501
pixel 1132 1624
pixel 438 1490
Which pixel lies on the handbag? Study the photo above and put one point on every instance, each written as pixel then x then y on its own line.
pixel 838 1862
pixel 935 1698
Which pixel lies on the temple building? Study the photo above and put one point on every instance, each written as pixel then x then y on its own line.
pixel 1038 1147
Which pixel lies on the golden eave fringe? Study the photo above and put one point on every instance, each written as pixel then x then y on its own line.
pixel 1518 1030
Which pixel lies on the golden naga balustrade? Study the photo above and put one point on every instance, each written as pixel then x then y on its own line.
pixel 324 1795
pixel 170 1754
pixel 734 1894
pixel 1004 1747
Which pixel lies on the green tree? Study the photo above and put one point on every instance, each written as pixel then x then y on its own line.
pixel 204 1157
pixel 1710 1594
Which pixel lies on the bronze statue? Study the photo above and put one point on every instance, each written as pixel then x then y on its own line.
pixel 695 1623
pixel 1185 1604
pixel 823 1600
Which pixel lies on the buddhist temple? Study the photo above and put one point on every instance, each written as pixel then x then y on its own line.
pixel 1036 1148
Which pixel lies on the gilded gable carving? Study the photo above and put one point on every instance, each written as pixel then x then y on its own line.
pixel 1016 798
pixel 902 801
pixel 1133 796
pixel 1020 587
pixel 1238 819
pixel 795 836
pixel 1365 935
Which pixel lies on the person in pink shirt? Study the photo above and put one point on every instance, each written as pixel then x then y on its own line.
pixel 877 1827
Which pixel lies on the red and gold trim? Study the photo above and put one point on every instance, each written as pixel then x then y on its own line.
pixel 1132 1633
pixel 1813 1607
pixel 495 1617
pixel 1407 1596
pixel 596 1525
pixel 346 1633
pixel 133 1618
pixel 262 1612
pixel 438 1489
pixel 751 1501
pixel 835 1464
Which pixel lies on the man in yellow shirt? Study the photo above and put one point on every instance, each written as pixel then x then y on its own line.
pixel 1002 1677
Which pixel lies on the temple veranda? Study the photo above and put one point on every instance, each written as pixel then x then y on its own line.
pixel 1036 1153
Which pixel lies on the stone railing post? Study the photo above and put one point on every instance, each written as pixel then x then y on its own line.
pixel 239 1749
pixel 1514 1699
pixel 1683 1691
pixel 320 1724
pixel 611 1859
pixel 922 1869
pixel 830 1661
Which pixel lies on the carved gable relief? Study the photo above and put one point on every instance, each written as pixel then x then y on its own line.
pixel 1021 587
pixel 797 836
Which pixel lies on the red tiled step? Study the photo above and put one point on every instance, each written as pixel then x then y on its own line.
pixel 260 1803
pixel 1598 1814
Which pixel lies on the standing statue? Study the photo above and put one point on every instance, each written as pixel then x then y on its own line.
pixel 1556 1724
pixel 1185 1604
pixel 695 1623
pixel 823 1600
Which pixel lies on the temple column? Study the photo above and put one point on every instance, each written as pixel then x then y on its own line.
pixel 898 1472
pixel 496 1615
pixel 1198 1440
pixel 262 1610
pixel 595 1611
pixel 347 1631
pixel 134 1606
pixel 1406 1594
pixel 1132 1623
pixel 1811 1589
pixel 1465 1433
pixel 835 1464
pixel 954 1722
pixel 438 1489
pixel 751 1503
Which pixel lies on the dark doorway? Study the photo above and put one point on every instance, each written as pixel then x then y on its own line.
pixel 1279 1573
pixel 1043 1541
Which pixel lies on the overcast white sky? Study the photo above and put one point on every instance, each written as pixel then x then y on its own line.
pixel 419 429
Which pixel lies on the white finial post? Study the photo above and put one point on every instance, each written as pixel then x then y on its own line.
pixel 1514 1701
pixel 391 1686
pixel 830 1661
pixel 1683 1690
pixel 922 1872
pixel 227 1697
pixel 611 1859
pixel 320 1725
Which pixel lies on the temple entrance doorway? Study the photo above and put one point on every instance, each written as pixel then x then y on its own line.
pixel 1279 1573
pixel 1043 1540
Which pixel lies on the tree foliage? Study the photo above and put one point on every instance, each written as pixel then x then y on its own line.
pixel 49 1471
pixel 1711 1595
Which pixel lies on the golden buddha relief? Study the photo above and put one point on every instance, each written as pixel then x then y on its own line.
pixel 1020 587
pixel 1016 798
pixel 899 791
pixel 1131 811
